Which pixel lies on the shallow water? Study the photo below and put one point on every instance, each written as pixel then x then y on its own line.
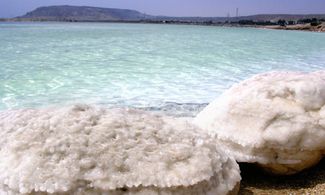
pixel 176 69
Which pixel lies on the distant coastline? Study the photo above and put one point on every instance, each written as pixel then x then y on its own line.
pixel 65 13
pixel 300 27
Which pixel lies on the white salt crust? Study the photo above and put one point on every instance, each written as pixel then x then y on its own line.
pixel 276 119
pixel 90 150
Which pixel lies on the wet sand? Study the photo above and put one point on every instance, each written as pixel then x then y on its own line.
pixel 255 181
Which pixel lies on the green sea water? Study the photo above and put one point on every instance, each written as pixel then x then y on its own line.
pixel 158 67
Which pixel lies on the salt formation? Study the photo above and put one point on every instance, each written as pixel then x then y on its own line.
pixel 90 150
pixel 276 119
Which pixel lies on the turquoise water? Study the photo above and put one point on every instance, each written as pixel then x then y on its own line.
pixel 168 67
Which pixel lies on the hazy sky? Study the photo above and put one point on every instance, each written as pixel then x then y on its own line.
pixel 11 8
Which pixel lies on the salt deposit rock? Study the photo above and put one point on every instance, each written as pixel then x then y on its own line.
pixel 276 119
pixel 90 150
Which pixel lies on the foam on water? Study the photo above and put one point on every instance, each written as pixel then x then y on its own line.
pixel 141 65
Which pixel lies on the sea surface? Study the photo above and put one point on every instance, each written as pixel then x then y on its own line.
pixel 177 69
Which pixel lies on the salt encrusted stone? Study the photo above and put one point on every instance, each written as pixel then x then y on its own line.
pixel 89 150
pixel 276 119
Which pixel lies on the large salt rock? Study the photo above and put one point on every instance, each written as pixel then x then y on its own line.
pixel 276 119
pixel 90 150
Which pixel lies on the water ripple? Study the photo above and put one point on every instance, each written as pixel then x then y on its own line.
pixel 171 68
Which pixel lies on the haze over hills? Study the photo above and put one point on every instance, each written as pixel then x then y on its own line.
pixel 85 13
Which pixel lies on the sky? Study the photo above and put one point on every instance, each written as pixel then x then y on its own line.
pixel 12 8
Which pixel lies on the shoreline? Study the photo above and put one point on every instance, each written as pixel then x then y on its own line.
pixel 295 27
pixel 299 27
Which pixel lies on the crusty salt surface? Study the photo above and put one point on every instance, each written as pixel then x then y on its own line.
pixel 276 119
pixel 89 150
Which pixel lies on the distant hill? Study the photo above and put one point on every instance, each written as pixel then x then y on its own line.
pixel 276 17
pixel 259 17
pixel 82 13
pixel 85 13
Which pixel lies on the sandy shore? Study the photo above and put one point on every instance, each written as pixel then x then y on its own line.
pixel 304 27
pixel 255 181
